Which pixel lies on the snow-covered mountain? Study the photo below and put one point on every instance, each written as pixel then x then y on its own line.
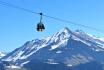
pixel 66 48
pixel 4 65
pixel 2 54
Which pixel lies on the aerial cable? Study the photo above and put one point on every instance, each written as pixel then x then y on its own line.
pixel 74 23
pixel 17 7
pixel 58 19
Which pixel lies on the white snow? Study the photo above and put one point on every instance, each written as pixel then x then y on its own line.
pixel 59 51
pixel 38 48
pixel 14 58
pixel 97 50
pixel 2 54
pixel 61 43
pixel 69 65
pixel 51 61
pixel 62 34
pixel 13 67
pixel 24 63
pixel 18 55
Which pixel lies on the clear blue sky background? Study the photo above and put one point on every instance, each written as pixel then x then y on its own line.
pixel 17 27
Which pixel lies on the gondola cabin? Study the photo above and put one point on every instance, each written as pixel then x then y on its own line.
pixel 40 27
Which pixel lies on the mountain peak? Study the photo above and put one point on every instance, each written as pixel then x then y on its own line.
pixel 2 54
pixel 63 33
pixel 65 29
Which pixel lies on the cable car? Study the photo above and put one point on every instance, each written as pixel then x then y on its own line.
pixel 40 25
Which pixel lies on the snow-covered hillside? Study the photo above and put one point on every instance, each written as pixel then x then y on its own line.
pixel 5 65
pixel 66 47
pixel 2 54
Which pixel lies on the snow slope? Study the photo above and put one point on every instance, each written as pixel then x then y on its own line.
pixel 67 47
pixel 2 54
pixel 5 65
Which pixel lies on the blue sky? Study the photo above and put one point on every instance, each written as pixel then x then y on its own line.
pixel 17 26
